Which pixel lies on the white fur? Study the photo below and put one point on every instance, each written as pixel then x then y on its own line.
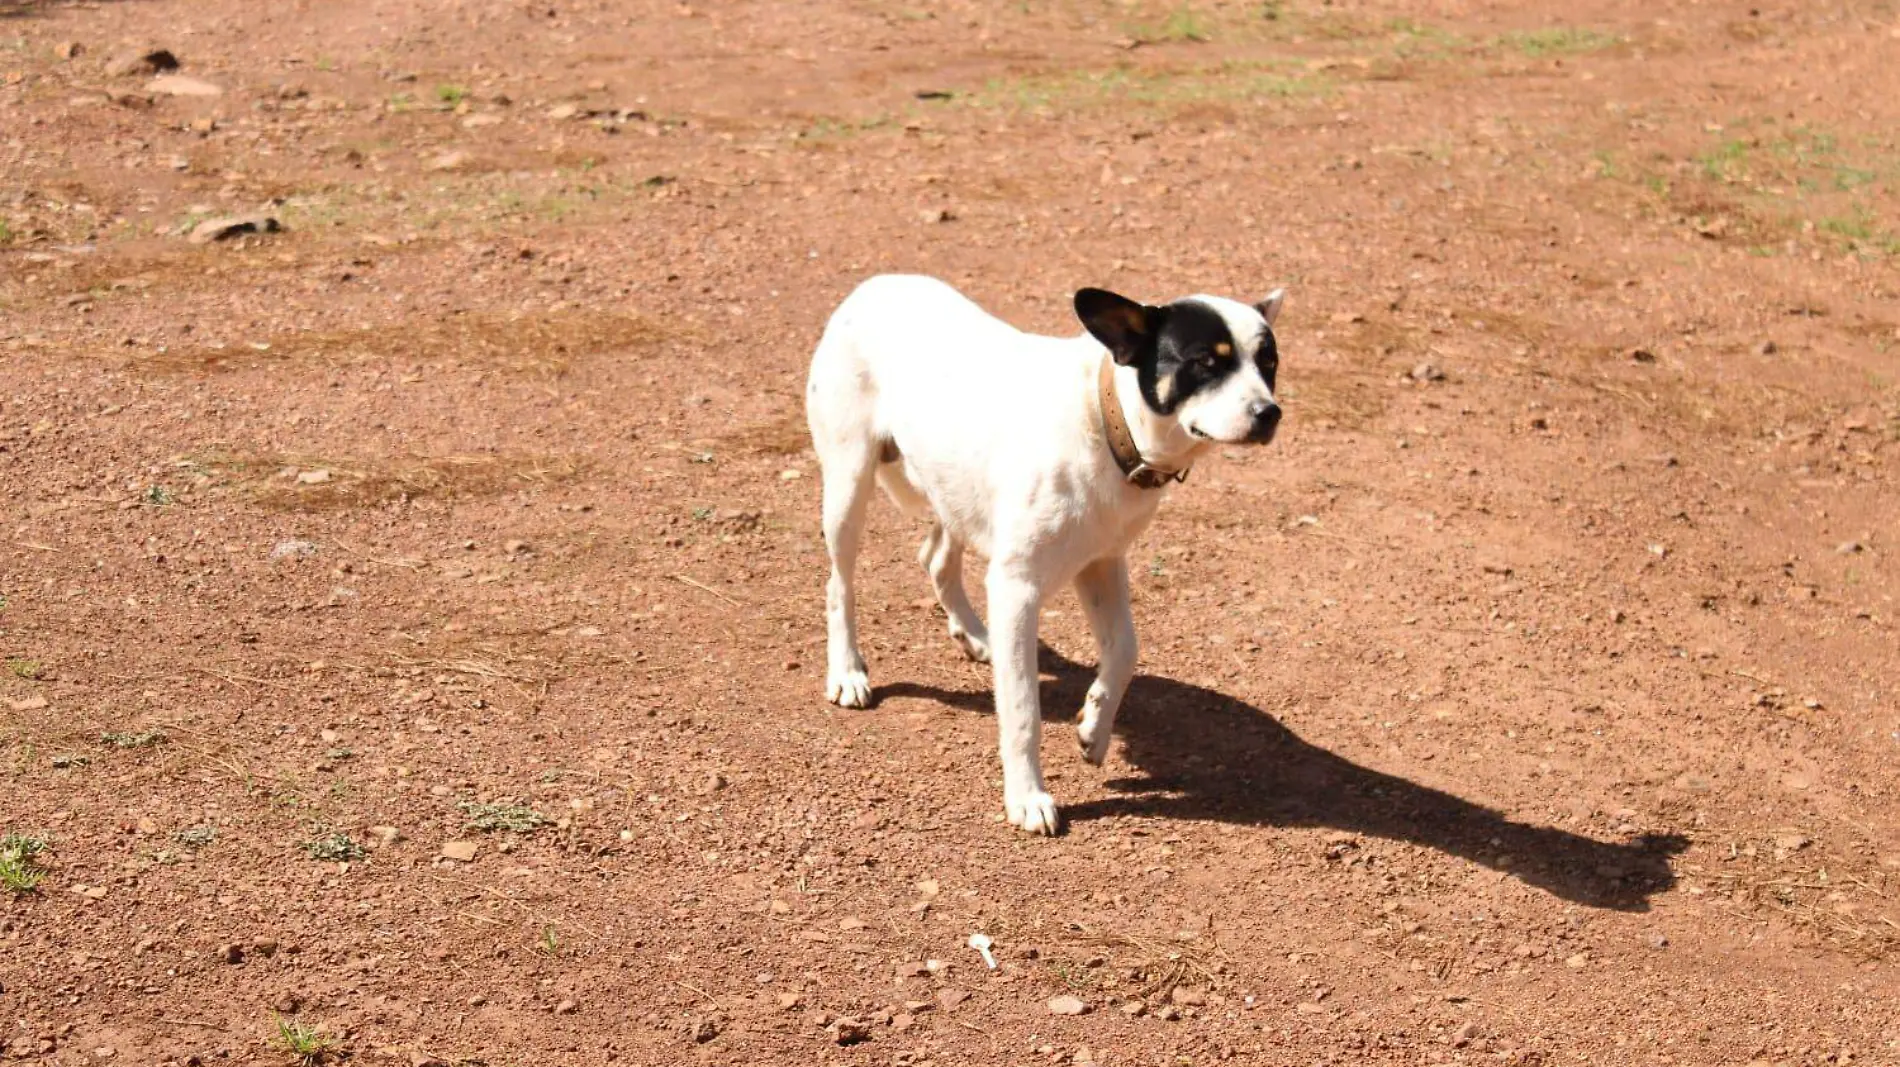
pixel 1000 444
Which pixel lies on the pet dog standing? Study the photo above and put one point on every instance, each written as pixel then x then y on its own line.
pixel 1046 455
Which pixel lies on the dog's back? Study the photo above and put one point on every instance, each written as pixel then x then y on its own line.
pixel 925 372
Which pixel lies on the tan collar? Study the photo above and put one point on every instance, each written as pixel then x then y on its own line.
pixel 1121 441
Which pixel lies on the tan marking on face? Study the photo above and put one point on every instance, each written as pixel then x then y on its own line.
pixel 1222 348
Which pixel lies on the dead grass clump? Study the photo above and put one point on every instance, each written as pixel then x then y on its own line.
pixel 1845 906
pixel 788 436
pixel 296 482
pixel 1349 399
pixel 1718 217
pixel 543 344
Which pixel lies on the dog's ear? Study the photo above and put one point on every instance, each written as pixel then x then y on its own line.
pixel 1269 308
pixel 1127 328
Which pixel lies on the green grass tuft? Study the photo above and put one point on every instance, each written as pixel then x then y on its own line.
pixel 304 1041
pixel 28 669
pixel 1726 161
pixel 1232 82
pixel 1559 41
pixel 1181 26
pixel 142 739
pixel 490 817
pixel 334 848
pixel 18 871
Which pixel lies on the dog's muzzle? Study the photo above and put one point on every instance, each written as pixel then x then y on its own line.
pixel 1266 420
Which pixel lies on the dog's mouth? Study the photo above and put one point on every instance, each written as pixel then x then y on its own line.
pixel 1252 439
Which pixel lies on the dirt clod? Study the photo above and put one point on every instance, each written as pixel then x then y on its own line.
pixel 849 1031
pixel 141 61
pixel 223 229
pixel 180 85
pixel 703 1028
pixel 1068 1004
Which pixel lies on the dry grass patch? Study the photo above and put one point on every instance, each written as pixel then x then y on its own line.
pixel 1349 398
pixel 1841 900
pixel 787 436
pixel 544 344
pixel 301 482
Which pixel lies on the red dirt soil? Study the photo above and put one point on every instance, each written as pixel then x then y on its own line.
pixel 1531 701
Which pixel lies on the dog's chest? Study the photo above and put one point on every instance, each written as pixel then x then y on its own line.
pixel 1071 523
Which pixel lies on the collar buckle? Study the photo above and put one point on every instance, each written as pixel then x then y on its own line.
pixel 1147 477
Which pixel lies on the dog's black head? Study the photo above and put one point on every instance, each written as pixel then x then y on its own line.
pixel 1205 361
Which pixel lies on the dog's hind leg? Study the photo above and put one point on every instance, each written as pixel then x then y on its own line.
pixel 839 406
pixel 1102 587
pixel 848 469
pixel 942 556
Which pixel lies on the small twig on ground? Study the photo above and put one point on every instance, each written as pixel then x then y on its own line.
pixel 466 666
pixel 1624 393
pixel 535 915
pixel 684 580
pixel 1311 531
pixel 239 679
pixel 192 1022
pixel 409 564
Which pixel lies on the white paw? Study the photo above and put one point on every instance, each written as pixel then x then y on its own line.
pixel 849 689
pixel 1093 737
pixel 975 646
pixel 1033 810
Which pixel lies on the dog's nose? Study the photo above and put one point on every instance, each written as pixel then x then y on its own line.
pixel 1266 419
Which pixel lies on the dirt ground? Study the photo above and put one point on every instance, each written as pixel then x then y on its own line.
pixel 412 616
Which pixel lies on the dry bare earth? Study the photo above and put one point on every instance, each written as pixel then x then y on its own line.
pixel 1541 713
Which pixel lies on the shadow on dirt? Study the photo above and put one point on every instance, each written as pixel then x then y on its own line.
pixel 1204 755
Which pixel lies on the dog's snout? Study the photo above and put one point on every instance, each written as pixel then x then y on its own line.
pixel 1266 419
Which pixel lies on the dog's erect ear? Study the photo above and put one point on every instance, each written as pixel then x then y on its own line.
pixel 1127 328
pixel 1269 308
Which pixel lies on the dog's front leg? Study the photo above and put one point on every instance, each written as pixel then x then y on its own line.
pixel 1015 601
pixel 1102 587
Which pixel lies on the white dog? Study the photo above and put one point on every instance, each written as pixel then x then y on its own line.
pixel 1046 455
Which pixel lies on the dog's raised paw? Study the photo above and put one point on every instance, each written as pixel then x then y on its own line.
pixel 1033 811
pixel 849 689
pixel 1093 738
pixel 976 648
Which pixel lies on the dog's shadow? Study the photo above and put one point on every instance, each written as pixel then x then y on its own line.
pixel 1204 755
